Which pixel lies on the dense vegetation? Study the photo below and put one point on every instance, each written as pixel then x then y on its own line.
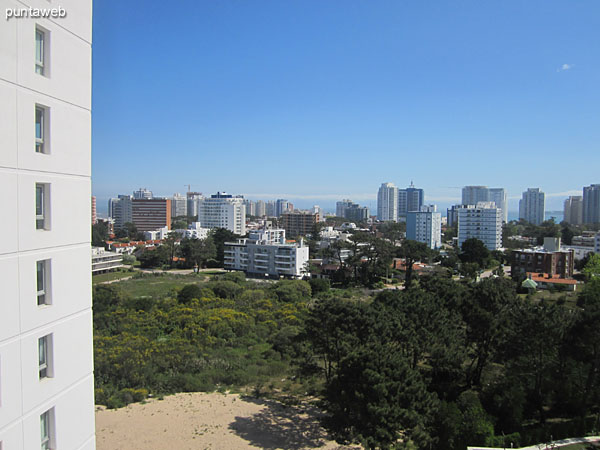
pixel 223 332
pixel 440 365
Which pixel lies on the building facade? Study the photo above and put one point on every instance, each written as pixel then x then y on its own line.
pixel 471 195
pixel 591 204
pixel 223 210
pixel 46 357
pixel 143 194
pixel 261 208
pixel 299 223
pixel 178 205
pixel 425 226
pixel 532 207
pixel 265 253
pixel 482 221
pixel 387 202
pixel 550 259
pixel 499 197
pixel 573 210
pixel 151 214
pixel 410 199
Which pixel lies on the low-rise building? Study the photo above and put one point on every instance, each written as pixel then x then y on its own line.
pixel 551 260
pixel 105 261
pixel 545 281
pixel 266 254
pixel 194 231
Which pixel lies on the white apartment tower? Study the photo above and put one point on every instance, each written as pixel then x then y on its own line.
pixel 532 206
pixel 223 210
pixel 498 196
pixel 482 221
pixel 387 202
pixel 46 359
pixel 425 226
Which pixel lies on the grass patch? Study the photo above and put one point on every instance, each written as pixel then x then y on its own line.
pixel 110 276
pixel 156 285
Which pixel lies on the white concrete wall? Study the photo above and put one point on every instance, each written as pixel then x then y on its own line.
pixel 65 90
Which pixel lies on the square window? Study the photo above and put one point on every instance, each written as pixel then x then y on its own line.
pixel 42 206
pixel 45 357
pixel 47 430
pixel 42 129
pixel 43 282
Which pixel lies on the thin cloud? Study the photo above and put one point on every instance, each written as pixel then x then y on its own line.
pixel 565 67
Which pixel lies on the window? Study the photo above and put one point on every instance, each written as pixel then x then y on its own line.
pixel 47 430
pixel 42 129
pixel 43 282
pixel 45 356
pixel 42 206
pixel 40 51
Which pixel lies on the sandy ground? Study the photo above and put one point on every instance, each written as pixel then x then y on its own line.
pixel 210 421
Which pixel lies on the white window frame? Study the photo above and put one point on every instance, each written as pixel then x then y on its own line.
pixel 42 210
pixel 42 142
pixel 45 357
pixel 43 291
pixel 42 49
pixel 47 431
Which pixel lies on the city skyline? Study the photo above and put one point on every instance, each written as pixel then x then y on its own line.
pixel 327 101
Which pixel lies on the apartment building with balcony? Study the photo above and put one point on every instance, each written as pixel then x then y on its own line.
pixel 265 253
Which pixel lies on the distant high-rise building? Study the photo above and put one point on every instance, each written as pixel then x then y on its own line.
pixel 498 196
pixel 316 209
pixel 261 208
pixel 270 208
pixel 223 210
pixel 410 199
pixel 178 205
pixel 120 210
pixel 452 215
pixel 281 206
pixel 387 202
pixel 471 195
pixel 482 221
pixel 250 208
pixel 142 193
pixel 532 206
pixel 573 210
pixel 94 215
pixel 150 214
pixel 340 207
pixel 351 211
pixel 591 204
pixel 192 203
pixel 425 226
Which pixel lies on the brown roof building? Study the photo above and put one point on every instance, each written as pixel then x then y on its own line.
pixel 549 259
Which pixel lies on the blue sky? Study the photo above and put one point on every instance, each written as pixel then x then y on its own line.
pixel 321 100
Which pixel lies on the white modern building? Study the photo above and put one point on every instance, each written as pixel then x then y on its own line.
pixel 194 231
pixel 499 197
pixel 46 358
pixel 223 210
pixel 471 195
pixel 120 210
pixel 387 202
pixel 105 261
pixel 573 210
pixel 265 253
pixel 425 226
pixel 143 193
pixel 178 205
pixel 532 206
pixel 482 221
